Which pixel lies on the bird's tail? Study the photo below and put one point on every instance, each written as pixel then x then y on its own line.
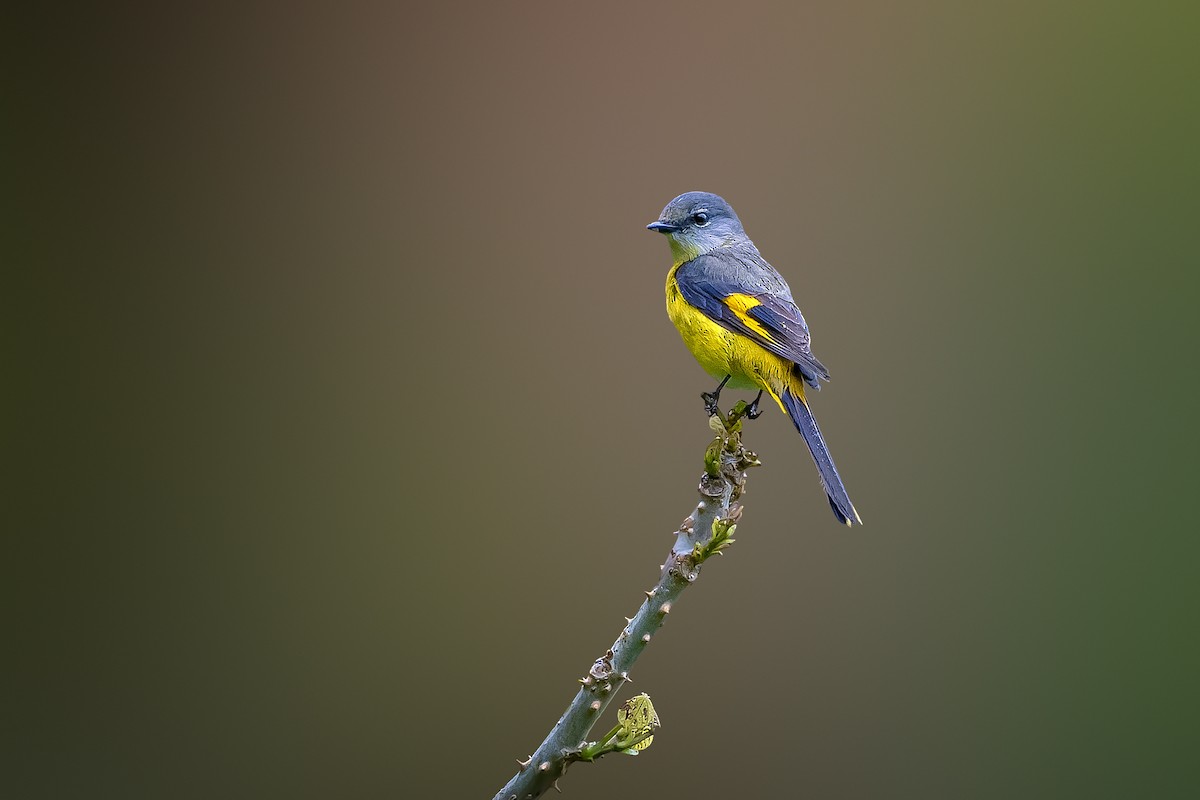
pixel 792 401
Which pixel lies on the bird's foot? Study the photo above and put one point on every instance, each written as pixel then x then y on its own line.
pixel 710 398
pixel 752 410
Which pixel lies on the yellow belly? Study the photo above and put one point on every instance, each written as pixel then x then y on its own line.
pixel 722 352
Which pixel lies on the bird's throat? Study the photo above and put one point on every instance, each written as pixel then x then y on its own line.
pixel 683 251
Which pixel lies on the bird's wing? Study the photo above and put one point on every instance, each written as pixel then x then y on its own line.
pixel 743 293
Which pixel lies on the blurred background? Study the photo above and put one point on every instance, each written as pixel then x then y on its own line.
pixel 344 421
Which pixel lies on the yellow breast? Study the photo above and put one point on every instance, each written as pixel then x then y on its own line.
pixel 722 352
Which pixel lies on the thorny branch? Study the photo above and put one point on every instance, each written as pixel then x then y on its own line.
pixel 707 531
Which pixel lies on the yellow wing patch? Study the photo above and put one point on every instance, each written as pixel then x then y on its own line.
pixel 740 305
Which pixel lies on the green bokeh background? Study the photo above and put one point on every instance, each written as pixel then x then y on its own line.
pixel 344 420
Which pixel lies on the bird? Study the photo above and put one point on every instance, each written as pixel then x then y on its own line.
pixel 736 314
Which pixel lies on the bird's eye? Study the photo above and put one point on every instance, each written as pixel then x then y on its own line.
pixel 700 218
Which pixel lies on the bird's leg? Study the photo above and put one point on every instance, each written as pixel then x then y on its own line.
pixel 710 398
pixel 752 410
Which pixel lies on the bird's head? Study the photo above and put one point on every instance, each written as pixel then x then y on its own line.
pixel 696 223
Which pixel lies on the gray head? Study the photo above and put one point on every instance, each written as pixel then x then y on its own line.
pixel 698 222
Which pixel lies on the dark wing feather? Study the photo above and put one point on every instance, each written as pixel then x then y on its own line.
pixel 719 283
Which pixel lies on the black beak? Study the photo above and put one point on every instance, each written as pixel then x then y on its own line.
pixel 662 227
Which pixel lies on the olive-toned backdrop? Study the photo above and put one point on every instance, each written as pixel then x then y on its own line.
pixel 346 423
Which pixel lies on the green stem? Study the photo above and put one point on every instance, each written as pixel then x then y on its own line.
pixel 597 749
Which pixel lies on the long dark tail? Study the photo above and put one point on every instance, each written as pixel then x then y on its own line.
pixel 792 401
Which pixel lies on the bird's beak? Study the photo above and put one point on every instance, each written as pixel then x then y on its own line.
pixel 662 227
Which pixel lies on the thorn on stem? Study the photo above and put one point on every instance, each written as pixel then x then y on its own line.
pixel 544 766
pixel 595 706
pixel 666 608
pixel 649 594
pixel 525 763
pixel 645 637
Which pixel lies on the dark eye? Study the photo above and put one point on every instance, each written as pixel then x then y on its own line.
pixel 700 218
